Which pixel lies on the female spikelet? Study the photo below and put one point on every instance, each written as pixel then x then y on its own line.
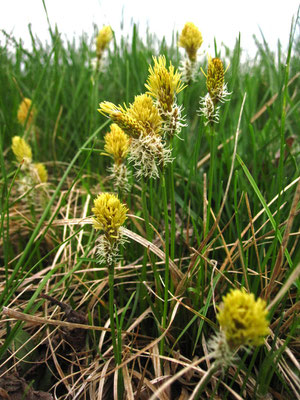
pixel 216 91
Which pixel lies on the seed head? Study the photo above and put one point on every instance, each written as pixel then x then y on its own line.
pixel 116 144
pixel 243 319
pixel 110 214
pixel 121 117
pixel 191 40
pixel 163 84
pixel 105 35
pixel 24 114
pixel 21 150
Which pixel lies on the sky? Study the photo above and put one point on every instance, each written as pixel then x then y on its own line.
pixel 217 18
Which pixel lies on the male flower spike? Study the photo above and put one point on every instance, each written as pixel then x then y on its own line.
pixel 110 215
pixel 40 173
pixel 215 80
pixel 102 41
pixel 142 122
pixel 243 322
pixel 21 150
pixel 24 114
pixel 121 117
pixel 217 91
pixel 105 35
pixel 148 151
pixel 33 173
pixel 163 85
pixel 243 319
pixel 144 111
pixel 191 40
pixel 117 146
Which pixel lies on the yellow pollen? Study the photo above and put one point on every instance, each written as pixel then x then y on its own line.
pixel 21 149
pixel 243 319
pixel 163 84
pixel 24 114
pixel 191 40
pixel 116 144
pixel 121 117
pixel 110 214
pixel 105 35
pixel 215 78
pixel 41 172
pixel 144 111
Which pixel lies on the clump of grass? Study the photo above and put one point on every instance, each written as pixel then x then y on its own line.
pixel 219 215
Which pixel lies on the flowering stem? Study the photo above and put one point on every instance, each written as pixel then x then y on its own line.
pixel 172 198
pixel 167 242
pixel 173 225
pixel 117 353
pixel 143 292
pixel 204 380
pixel 111 311
pixel 149 237
pixel 213 149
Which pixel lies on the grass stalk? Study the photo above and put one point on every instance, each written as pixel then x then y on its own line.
pixel 167 252
pixel 115 337
pixel 211 174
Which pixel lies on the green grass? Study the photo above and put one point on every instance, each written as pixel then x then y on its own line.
pixel 182 256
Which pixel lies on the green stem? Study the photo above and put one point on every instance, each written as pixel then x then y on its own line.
pixel 205 379
pixel 116 338
pixel 167 274
pixel 145 259
pixel 173 224
pixel 211 172
pixel 112 313
pixel 172 198
pixel 213 150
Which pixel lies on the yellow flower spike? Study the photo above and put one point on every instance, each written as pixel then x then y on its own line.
pixel 120 116
pixel 144 111
pixel 217 91
pixel 105 35
pixel 116 144
pixel 215 79
pixel 24 114
pixel 191 40
pixel 110 214
pixel 41 172
pixel 163 84
pixel 21 150
pixel 243 319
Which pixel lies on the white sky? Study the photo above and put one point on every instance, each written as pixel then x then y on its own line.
pixel 223 19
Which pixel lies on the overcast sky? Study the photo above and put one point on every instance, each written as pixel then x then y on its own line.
pixel 223 19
